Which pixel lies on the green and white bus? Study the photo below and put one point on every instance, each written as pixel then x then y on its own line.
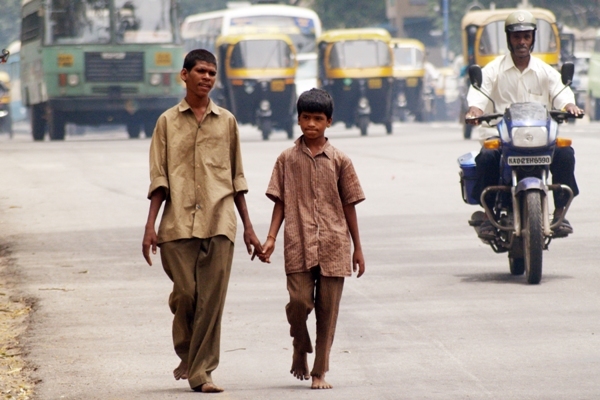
pixel 95 62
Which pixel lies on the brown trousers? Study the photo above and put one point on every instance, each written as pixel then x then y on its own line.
pixel 310 290
pixel 199 269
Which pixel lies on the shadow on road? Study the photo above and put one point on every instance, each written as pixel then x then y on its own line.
pixel 499 277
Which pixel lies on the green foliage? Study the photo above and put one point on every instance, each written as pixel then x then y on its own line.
pixel 10 22
pixel 350 13
pixel 189 7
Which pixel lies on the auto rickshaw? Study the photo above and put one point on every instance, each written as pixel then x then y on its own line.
pixel 356 68
pixel 256 80
pixel 409 74
pixel 5 116
pixel 484 39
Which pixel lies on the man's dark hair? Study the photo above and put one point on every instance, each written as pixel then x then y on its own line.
pixel 315 100
pixel 198 55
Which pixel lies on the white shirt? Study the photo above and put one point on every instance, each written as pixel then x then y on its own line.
pixel 505 84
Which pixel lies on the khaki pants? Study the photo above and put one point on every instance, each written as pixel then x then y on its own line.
pixel 199 269
pixel 310 290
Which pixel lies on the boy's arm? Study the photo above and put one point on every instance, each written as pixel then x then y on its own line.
pixel 358 260
pixel 150 239
pixel 276 221
pixel 250 238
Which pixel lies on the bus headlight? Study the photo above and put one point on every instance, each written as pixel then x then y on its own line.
pixel 73 79
pixel 155 79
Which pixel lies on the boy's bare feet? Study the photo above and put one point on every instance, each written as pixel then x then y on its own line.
pixel 181 372
pixel 208 387
pixel 299 366
pixel 319 382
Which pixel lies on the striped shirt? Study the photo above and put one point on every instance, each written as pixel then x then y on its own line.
pixel 200 168
pixel 314 191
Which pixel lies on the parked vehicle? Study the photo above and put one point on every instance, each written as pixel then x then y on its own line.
pixel 484 39
pixel 594 79
pixel 356 68
pixel 528 137
pixel 256 80
pixel 5 114
pixel 409 76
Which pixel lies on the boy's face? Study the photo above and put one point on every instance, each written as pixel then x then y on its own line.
pixel 201 79
pixel 313 124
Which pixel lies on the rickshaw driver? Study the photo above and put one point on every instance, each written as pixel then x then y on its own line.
pixel 516 78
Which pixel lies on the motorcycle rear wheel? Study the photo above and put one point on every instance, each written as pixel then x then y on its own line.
pixel 533 236
pixel 517 266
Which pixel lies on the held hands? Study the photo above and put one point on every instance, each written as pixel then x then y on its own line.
pixel 267 249
pixel 473 113
pixel 251 240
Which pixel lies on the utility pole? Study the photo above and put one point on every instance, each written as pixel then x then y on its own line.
pixel 446 33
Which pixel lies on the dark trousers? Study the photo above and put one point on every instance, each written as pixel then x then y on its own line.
pixel 310 290
pixel 487 164
pixel 199 269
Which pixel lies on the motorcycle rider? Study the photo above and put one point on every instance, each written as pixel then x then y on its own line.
pixel 515 78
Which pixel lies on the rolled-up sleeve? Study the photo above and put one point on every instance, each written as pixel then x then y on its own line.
pixel 275 188
pixel 237 169
pixel 158 158
pixel 349 186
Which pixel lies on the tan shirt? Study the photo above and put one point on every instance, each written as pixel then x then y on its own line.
pixel 505 84
pixel 314 191
pixel 200 167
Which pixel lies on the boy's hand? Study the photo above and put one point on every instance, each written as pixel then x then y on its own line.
pixel 252 243
pixel 149 241
pixel 358 262
pixel 268 247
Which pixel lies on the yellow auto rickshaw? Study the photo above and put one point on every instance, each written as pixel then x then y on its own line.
pixel 356 68
pixel 484 39
pixel 409 74
pixel 256 80
pixel 5 116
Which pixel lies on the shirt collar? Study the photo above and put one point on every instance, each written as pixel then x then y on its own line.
pixel 508 63
pixel 327 148
pixel 211 108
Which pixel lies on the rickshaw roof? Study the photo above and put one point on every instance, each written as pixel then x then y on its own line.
pixel 234 39
pixel 336 35
pixel 404 42
pixel 484 17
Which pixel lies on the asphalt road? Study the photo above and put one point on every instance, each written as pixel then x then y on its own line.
pixel 436 315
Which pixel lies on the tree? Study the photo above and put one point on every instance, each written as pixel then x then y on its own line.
pixel 350 13
pixel 10 22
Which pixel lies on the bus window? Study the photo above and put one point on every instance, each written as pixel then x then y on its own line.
pixel 71 22
pixel 143 21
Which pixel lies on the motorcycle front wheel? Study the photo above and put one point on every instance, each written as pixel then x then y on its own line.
pixel 533 236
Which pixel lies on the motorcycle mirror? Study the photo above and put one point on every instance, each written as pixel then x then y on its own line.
pixel 4 56
pixel 566 73
pixel 475 76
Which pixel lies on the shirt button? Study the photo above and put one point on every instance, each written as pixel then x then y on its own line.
pixel 197 206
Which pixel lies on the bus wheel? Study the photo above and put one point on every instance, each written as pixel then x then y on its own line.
pixel 56 126
pixel 133 129
pixel 149 124
pixel 38 122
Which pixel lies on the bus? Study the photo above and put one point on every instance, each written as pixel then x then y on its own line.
pixel 99 62
pixel 593 75
pixel 302 25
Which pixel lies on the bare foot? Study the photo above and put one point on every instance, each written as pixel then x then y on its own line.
pixel 181 372
pixel 299 366
pixel 319 382
pixel 208 387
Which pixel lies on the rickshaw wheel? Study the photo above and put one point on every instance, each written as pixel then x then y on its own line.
pixel 265 128
pixel 363 123
pixel 389 127
pixel 289 129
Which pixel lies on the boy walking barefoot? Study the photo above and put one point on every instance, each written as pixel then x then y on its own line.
pixel 315 188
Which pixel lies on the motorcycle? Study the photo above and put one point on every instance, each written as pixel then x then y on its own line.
pixel 528 137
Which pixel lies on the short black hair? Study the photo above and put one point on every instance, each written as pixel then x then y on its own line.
pixel 315 100
pixel 192 58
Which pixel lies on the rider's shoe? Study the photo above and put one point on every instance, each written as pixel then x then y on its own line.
pixel 486 230
pixel 563 230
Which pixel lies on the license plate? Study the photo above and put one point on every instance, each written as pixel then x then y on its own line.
pixel 277 86
pixel 412 82
pixel 516 161
pixel 374 83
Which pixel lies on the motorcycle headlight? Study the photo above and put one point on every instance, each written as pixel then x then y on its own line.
pixel 363 102
pixel 530 136
pixel 265 105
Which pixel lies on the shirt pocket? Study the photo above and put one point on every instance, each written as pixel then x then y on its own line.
pixel 536 96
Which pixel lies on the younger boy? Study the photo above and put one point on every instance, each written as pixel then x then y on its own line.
pixel 314 186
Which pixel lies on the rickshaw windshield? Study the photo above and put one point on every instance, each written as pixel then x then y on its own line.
pixel 493 39
pixel 261 54
pixel 359 54
pixel 408 58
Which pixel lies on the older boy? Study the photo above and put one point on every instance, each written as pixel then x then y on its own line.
pixel 314 186
pixel 196 168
